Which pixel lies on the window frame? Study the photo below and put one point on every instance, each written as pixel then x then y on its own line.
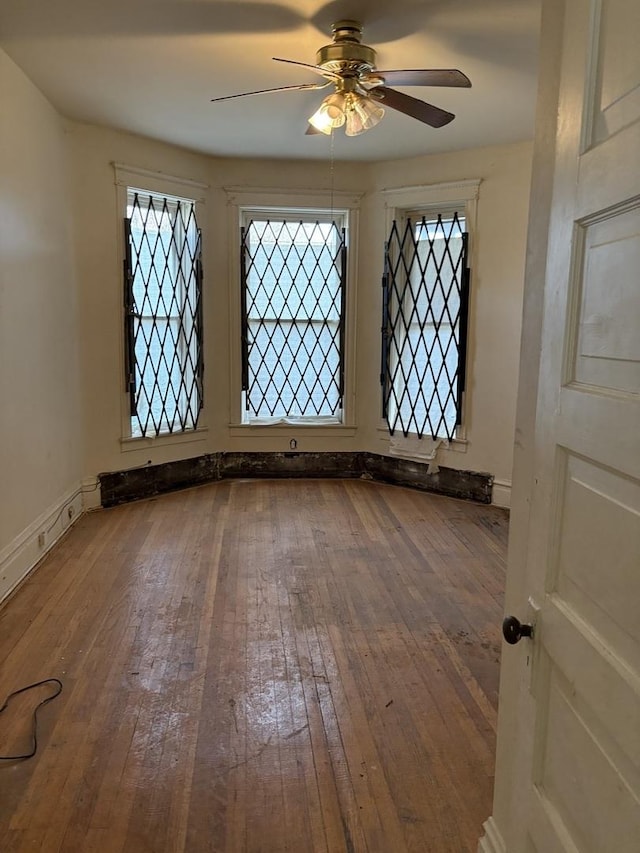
pixel 244 202
pixel 429 201
pixel 293 217
pixel 410 308
pixel 164 185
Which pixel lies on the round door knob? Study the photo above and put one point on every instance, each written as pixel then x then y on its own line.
pixel 513 630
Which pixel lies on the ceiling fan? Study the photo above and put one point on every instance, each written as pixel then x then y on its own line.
pixel 360 90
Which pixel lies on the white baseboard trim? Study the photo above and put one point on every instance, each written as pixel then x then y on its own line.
pixel 491 841
pixel 501 494
pixel 21 555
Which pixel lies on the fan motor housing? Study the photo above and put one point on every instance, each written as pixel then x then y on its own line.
pixel 346 54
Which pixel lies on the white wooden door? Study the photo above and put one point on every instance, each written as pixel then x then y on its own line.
pixel 570 727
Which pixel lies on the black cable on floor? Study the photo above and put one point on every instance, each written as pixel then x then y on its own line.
pixel 34 733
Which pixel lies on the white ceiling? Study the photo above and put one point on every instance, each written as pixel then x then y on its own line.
pixel 152 66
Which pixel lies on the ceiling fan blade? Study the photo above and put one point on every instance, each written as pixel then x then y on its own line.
pixel 276 89
pixel 317 68
pixel 420 110
pixel 94 18
pixel 422 77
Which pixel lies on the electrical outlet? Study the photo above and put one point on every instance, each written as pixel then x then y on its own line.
pixel 42 539
pixel 70 512
pixel 293 444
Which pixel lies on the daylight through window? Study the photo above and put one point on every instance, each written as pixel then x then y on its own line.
pixel 163 314
pixel 425 299
pixel 293 292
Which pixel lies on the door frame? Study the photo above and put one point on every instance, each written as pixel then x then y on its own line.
pixel 514 669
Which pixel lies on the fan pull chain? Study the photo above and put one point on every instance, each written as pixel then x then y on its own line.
pixel 332 172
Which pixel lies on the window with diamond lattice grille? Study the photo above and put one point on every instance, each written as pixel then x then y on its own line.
pixel 163 314
pixel 293 292
pixel 424 326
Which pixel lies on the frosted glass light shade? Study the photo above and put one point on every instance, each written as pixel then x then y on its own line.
pixel 362 114
pixel 330 114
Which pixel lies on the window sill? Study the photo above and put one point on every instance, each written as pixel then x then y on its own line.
pixel 458 445
pixel 314 430
pixel 189 437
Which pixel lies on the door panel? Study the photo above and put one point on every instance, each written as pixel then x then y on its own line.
pixel 602 681
pixel 617 95
pixel 600 510
pixel 580 786
pixel 574 784
pixel 608 350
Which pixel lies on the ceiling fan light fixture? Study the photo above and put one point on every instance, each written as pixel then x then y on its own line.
pixel 362 114
pixel 330 114
pixel 359 87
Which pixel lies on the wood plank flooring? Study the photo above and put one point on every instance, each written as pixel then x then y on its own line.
pixel 257 667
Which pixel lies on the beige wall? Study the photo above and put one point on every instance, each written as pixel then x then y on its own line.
pixel 498 263
pixel 40 436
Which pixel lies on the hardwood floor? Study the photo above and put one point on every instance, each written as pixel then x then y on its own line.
pixel 259 666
